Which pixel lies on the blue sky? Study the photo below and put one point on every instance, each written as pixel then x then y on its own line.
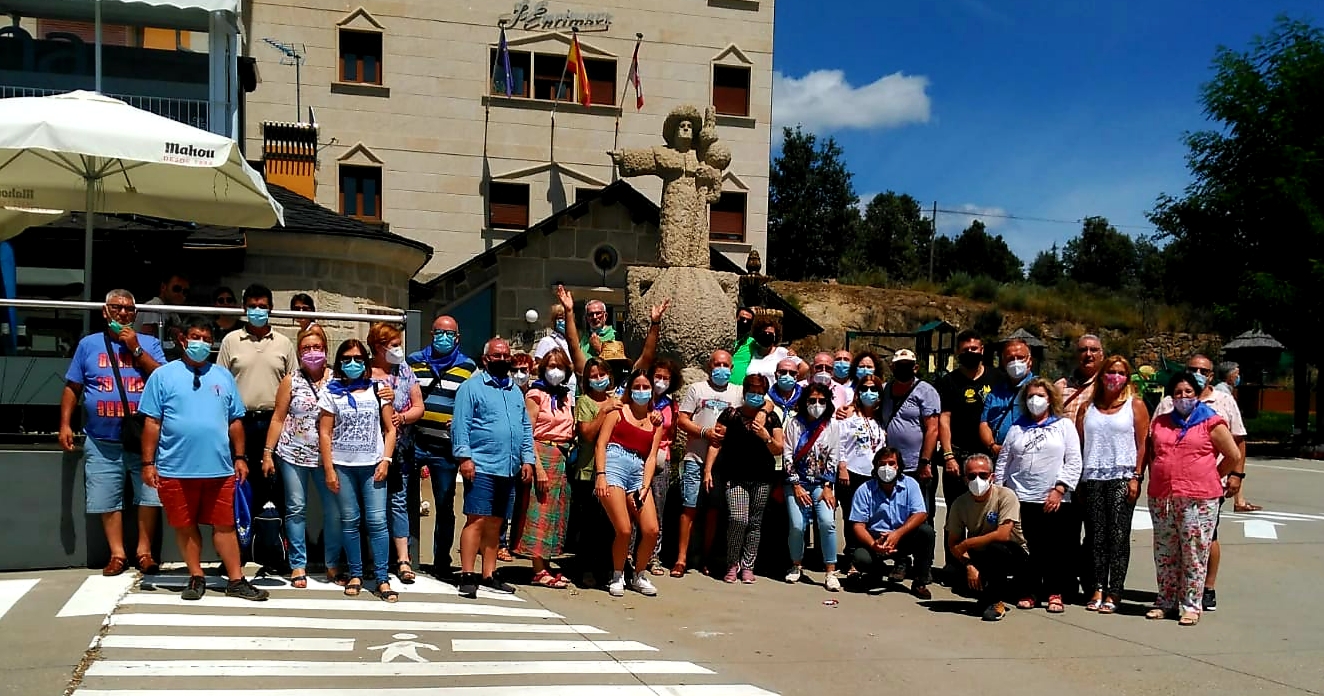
pixel 1029 107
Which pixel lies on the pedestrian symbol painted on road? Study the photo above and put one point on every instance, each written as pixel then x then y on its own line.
pixel 404 646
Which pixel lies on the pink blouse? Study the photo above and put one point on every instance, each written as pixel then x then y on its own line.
pixel 1187 467
pixel 552 425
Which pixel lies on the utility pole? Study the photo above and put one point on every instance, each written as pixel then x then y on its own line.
pixel 933 238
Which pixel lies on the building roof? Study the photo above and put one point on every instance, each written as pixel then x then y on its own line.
pixel 1254 339
pixel 935 324
pixel 1022 335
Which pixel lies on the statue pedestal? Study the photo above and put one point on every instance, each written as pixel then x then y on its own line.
pixel 701 317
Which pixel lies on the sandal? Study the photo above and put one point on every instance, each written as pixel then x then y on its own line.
pixel 405 572
pixel 655 568
pixel 299 582
pixel 1246 507
pixel 1094 604
pixel 678 570
pixel 1055 605
pixel 333 577
pixel 546 579
pixel 1157 614
pixel 504 556
pixel 1108 607
pixel 354 587
pixel 387 595
pixel 1027 603
pixel 1190 618
pixel 115 566
pixel 147 564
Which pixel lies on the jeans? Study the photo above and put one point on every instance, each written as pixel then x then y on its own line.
pixel 296 500
pixel 397 503
pixel 800 519
pixel 916 545
pixel 104 469
pixel 361 497
pixel 442 469
pixel 509 518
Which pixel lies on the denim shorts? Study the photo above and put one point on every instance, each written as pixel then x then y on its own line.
pixel 625 470
pixel 104 467
pixel 691 486
pixel 488 495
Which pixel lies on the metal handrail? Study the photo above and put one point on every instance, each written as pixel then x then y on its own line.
pixel 393 315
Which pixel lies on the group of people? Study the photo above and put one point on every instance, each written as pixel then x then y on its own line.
pixel 560 447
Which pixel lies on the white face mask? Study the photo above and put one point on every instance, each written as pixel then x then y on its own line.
pixel 1017 369
pixel 816 411
pixel 521 377
pixel 554 376
pixel 395 356
pixel 979 486
pixel 1037 404
pixel 887 474
pixel 660 386
pixel 824 378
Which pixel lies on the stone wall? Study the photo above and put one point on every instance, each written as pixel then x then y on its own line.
pixel 1177 347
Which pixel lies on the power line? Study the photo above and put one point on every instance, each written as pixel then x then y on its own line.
pixel 1030 218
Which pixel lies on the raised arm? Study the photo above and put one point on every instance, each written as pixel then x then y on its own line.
pixel 654 332
pixel 571 331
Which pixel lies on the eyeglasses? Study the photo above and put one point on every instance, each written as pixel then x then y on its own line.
pixel 1089 349
pixel 788 373
pixel 125 308
pixel 978 474
pixel 438 333
pixel 301 308
pixel 597 314
pixel 821 368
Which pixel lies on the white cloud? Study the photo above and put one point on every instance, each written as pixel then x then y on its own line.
pixel 953 224
pixel 824 101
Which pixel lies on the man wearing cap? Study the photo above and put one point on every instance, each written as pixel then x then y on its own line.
pixel 909 411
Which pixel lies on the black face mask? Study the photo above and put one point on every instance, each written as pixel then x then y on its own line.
pixel 767 339
pixel 903 373
pixel 742 327
pixel 498 368
pixel 970 360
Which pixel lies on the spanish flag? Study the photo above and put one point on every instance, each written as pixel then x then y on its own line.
pixel 574 61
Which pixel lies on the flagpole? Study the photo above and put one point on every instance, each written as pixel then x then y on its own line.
pixel 487 107
pixel 556 97
pixel 625 89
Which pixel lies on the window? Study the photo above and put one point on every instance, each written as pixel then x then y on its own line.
pixel 726 221
pixel 508 205
pixel 601 80
pixel 551 78
pixel 548 70
pixel 361 192
pixel 361 57
pixel 520 68
pixel 731 90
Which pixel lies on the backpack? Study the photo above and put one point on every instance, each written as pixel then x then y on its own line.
pixel 270 548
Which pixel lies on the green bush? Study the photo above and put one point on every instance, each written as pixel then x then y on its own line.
pixel 984 289
pixel 958 284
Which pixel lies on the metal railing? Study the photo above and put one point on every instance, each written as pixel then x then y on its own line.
pixel 193 112
pixel 389 315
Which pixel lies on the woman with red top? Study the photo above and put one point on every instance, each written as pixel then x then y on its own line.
pixel 543 530
pixel 666 377
pixel 1185 488
pixel 626 459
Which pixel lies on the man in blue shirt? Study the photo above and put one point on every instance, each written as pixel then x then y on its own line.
pixel 193 444
pixel 493 440
pixel 1002 408
pixel 91 375
pixel 888 520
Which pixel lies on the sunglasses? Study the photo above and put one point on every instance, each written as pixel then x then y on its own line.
pixel 790 373
pixel 978 474
pixel 822 368
pixel 870 390
pixel 499 357
pixel 179 288
pixel 226 301
pixel 437 333
pixel 352 359
pixel 301 308
pixel 818 402
pixel 1201 370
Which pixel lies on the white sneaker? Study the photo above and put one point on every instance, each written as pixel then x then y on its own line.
pixel 832 583
pixel 793 575
pixel 616 587
pixel 642 585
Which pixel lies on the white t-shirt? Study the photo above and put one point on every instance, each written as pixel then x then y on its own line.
pixel 705 403
pixel 767 365
pixel 356 439
pixel 861 438
pixel 1034 459
pixel 549 342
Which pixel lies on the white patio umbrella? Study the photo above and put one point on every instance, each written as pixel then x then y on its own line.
pixel 14 220
pixel 85 151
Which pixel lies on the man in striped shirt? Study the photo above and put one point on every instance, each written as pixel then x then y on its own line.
pixel 441 367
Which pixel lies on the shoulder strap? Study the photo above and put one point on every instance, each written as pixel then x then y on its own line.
pixel 114 357
pixel 801 451
pixel 898 403
pixel 1010 407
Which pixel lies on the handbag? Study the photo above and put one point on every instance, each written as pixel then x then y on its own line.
pixel 131 425
pixel 243 514
pixel 270 547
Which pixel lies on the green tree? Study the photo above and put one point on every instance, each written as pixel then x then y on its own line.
pixel 1047 269
pixel 977 253
pixel 1100 255
pixel 811 208
pixel 893 236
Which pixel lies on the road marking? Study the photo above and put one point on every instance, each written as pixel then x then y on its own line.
pixel 1285 468
pixel 1140 520
pixel 13 590
pixel 421 586
pixel 286 604
pixel 536 646
pixel 321 670
pixel 1260 529
pixel 323 624
pixel 254 643
pixel 97 596
pixel 527 690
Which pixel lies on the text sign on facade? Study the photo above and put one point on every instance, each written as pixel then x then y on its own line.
pixel 536 17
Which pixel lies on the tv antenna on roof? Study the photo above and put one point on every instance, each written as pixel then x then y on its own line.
pixel 292 55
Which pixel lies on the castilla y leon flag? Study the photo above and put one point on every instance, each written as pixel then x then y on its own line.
pixel 633 78
pixel 575 61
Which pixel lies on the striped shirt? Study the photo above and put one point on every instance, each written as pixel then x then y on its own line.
pixel 439 389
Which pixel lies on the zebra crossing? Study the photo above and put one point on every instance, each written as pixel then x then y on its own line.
pixel 317 642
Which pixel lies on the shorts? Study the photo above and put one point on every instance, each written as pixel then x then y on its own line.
pixel 488 495
pixel 191 502
pixel 625 470
pixel 105 465
pixel 691 486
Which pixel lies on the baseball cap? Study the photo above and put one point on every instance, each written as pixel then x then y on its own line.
pixel 904 355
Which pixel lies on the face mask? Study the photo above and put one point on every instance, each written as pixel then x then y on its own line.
pixel 862 372
pixel 560 326
pixel 1037 404
pixel 1114 381
pixel 742 326
pixel 721 376
pixel 869 398
pixel 660 386
pixel 641 396
pixel 979 486
pixel 1200 380
pixel 1184 406
pixel 198 351
pixel 601 331
pixel 1237 383
pixel 313 360
pixel 521 377
pixel 766 339
pixel 822 378
pixel 443 343
pixel 498 368
pixel 115 327
pixel 816 411
pixel 353 368
pixel 600 384
pixel 553 376
pixel 887 473
pixel 840 369
pixel 754 400
pixel 1017 369
pixel 903 372
pixel 395 356
pixel 786 382
pixel 970 360
pixel 258 316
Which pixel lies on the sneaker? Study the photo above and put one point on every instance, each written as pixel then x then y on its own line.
pixel 995 611
pixel 747 576
pixel 197 586
pixel 244 589
pixel 469 585
pixel 497 585
pixel 732 574
pixel 899 571
pixel 793 575
pixel 642 585
pixel 616 587
pixel 832 583
pixel 1209 600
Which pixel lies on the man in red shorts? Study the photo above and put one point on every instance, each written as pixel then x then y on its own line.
pixel 194 424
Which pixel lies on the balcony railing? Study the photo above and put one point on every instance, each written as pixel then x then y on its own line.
pixel 190 111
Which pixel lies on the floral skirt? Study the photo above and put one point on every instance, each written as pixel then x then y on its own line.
pixel 543 532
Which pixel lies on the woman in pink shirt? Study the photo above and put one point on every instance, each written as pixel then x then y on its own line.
pixel 551 409
pixel 1185 487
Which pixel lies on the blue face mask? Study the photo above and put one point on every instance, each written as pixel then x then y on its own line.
pixel 443 343
pixel 754 400
pixel 641 396
pixel 1200 380
pixel 600 384
pixel 258 317
pixel 786 382
pixel 353 368
pixel 862 372
pixel 869 398
pixel 198 351
pixel 840 369
pixel 560 326
pixel 721 376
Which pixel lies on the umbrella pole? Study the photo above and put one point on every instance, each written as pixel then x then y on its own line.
pixel 97 22
pixel 87 248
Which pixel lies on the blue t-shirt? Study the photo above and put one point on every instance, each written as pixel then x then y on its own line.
pixel 881 513
pixel 1002 407
pixel 91 369
pixel 195 423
